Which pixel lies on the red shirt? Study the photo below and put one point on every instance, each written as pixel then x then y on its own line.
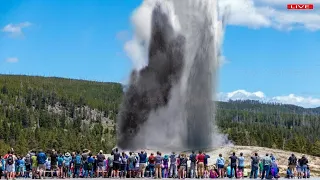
pixel 200 158
pixel 152 159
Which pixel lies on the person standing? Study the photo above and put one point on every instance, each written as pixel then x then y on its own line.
pixel 254 166
pixel 266 166
pixel 193 164
pixel 152 162
pixel 206 168
pixel 183 166
pixel 41 159
pixel 241 161
pixel 158 161
pixel 100 159
pixel 220 164
pixel 54 160
pixel 116 162
pixel 67 159
pixel 142 163
pixel 28 165
pixel 77 164
pixel 34 164
pixel 60 160
pixel 233 160
pixel 304 165
pixel 200 164
pixel 85 155
pixel 292 162
pixel 173 165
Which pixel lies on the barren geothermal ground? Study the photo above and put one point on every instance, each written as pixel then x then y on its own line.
pixel 248 151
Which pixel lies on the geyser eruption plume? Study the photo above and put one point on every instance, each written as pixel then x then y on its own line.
pixel 168 103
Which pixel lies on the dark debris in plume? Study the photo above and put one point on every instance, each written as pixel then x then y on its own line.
pixel 150 88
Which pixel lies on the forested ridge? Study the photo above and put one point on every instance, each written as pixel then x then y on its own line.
pixel 68 114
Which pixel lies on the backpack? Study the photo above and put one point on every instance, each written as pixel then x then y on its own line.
pixel 124 160
pixel 293 160
pixel 110 162
pixel 28 160
pixel 60 161
pixel 78 160
pixel 255 161
pixel 152 159
pixel 10 160
pixel 193 158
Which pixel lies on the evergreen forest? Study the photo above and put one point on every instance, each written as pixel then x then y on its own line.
pixel 68 114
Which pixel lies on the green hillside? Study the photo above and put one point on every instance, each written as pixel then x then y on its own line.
pixel 67 114
pixel 39 112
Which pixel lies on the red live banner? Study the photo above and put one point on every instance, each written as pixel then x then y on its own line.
pixel 299 6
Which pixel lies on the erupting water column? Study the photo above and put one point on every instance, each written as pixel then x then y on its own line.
pixel 171 99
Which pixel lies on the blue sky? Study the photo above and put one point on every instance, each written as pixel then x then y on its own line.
pixel 85 39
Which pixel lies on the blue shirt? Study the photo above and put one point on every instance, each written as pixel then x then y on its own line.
pixel 192 157
pixel 3 164
pixel 220 161
pixel 41 158
pixel 21 163
pixel 90 160
pixel 143 158
pixel 241 161
pixel 229 171
pixel 67 160
pixel 60 161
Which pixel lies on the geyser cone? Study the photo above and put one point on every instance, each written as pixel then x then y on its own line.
pixel 150 88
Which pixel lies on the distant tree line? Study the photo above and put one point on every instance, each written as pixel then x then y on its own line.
pixel 66 114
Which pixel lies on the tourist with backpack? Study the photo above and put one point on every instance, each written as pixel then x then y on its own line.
pixel 77 165
pixel 292 162
pixel 100 163
pixel 254 166
pixel 41 158
pixel 220 165
pixel 193 164
pixel 142 163
pixel 151 161
pixel 123 165
pixel 90 161
pixel 60 160
pixel 241 164
pixel 66 165
pixel 10 169
pixel 110 166
pixel 173 165
pixel 131 163
pixel 28 165
pixel 158 163
pixel 85 155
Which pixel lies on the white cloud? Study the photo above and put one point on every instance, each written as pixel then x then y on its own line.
pixel 307 102
pixel 12 60
pixel 16 29
pixel 271 13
